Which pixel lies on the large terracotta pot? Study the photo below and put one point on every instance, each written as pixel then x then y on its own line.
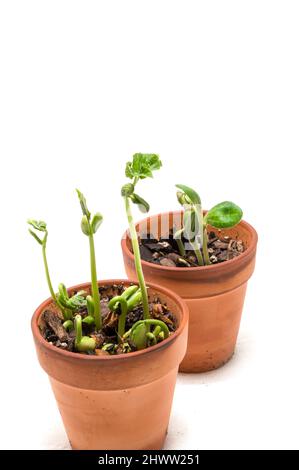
pixel 214 294
pixel 116 402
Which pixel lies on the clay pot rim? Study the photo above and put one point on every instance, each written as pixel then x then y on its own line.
pixel 213 268
pixel 120 357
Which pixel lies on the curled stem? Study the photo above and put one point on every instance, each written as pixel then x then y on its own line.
pixel 82 343
pixel 127 301
pixel 140 335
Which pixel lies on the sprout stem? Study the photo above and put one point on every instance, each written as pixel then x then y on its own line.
pixel 180 244
pixel 44 245
pixel 205 247
pixel 94 284
pixel 137 259
pixel 197 252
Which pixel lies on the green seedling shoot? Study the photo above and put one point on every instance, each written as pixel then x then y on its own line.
pixel 89 226
pixel 130 298
pixel 224 215
pixel 141 337
pixel 141 167
pixel 82 343
pixel 41 227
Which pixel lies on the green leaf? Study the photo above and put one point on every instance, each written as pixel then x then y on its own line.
pixel 35 236
pixel 142 204
pixel 85 226
pixel 83 204
pixel 143 165
pixel 96 222
pixel 224 215
pixel 190 193
pixel 39 225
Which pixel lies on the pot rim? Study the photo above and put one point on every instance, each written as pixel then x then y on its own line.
pixel 214 268
pixel 120 357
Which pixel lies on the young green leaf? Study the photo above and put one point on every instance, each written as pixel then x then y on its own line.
pixel 142 204
pixel 35 236
pixel 190 193
pixel 96 222
pixel 224 215
pixel 143 165
pixel 39 225
pixel 83 204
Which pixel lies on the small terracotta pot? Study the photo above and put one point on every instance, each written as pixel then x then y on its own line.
pixel 214 294
pixel 121 401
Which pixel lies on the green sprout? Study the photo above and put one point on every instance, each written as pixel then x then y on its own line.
pixel 127 301
pixel 89 226
pixel 141 167
pixel 41 227
pixel 82 343
pixel 141 337
pixel 74 303
pixel 224 215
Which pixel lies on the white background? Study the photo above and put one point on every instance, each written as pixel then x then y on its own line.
pixel 213 87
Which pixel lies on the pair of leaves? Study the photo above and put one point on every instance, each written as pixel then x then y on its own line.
pixel 143 165
pixel 40 226
pixel 89 228
pixel 224 215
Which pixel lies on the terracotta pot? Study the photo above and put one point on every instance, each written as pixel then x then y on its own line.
pixel 116 402
pixel 214 294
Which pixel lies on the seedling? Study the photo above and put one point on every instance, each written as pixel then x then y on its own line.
pixel 82 343
pixel 141 167
pixel 89 226
pixel 129 299
pixel 141 337
pixel 224 215
pixel 40 227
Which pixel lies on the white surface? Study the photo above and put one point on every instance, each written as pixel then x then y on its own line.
pixel 211 86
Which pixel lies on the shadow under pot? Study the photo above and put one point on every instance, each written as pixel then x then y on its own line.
pixel 214 294
pixel 116 401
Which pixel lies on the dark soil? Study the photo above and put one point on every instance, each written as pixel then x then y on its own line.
pixel 51 323
pixel 166 253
